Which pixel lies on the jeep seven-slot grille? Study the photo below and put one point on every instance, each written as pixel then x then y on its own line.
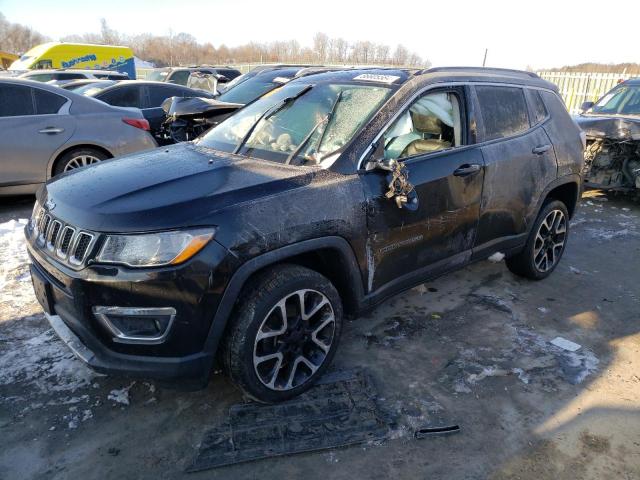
pixel 62 240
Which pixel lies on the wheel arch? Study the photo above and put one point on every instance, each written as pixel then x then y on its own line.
pixel 332 257
pixel 567 189
pixel 68 148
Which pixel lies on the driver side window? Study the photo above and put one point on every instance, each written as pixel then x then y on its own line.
pixel 431 124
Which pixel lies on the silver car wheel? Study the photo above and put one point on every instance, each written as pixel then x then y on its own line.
pixel 80 161
pixel 293 340
pixel 549 242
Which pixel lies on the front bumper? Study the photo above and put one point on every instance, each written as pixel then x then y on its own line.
pixel 193 289
pixel 192 367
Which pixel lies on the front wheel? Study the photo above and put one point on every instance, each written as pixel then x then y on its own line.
pixel 284 335
pixel 545 245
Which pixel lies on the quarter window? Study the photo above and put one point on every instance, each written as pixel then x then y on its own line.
pixel 15 100
pixel 430 125
pixel 47 103
pixel 504 111
pixel 539 110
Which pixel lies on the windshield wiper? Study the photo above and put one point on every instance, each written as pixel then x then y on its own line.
pixel 268 113
pixel 306 139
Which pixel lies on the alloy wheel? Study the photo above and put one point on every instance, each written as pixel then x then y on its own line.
pixel 80 161
pixel 550 240
pixel 294 339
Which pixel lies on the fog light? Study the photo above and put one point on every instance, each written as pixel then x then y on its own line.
pixel 136 325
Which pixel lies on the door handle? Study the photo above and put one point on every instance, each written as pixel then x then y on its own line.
pixel 51 130
pixel 540 149
pixel 466 169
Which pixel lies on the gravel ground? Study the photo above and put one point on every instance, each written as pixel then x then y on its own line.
pixel 473 346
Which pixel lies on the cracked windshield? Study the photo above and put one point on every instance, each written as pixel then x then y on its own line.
pixel 299 124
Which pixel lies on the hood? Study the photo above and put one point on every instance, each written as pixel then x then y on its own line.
pixel 613 127
pixel 180 186
pixel 196 106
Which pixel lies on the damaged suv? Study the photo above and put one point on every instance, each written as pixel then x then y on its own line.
pixel 612 128
pixel 249 245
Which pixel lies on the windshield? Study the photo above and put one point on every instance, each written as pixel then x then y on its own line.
pixel 233 83
pixel 623 100
pixel 91 88
pixel 248 90
pixel 157 75
pixel 299 123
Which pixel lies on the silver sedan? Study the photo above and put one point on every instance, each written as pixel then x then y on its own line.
pixel 45 131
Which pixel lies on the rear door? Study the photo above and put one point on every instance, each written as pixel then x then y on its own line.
pixel 520 163
pixel 433 140
pixel 34 124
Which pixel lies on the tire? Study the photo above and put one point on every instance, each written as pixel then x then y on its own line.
pixel 77 158
pixel 544 247
pixel 283 375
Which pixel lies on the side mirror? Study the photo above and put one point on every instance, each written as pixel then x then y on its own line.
pixel 586 106
pixel 221 78
pixel 400 188
pixel 388 165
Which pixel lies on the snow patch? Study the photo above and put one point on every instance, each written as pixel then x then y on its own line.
pixel 120 395
pixel 496 257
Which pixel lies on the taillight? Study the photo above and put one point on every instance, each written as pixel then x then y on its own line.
pixel 140 123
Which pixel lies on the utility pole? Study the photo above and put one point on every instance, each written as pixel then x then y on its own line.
pixel 484 61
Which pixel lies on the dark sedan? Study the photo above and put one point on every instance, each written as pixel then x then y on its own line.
pixel 145 95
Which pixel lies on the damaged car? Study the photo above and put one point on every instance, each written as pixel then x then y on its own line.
pixel 247 247
pixel 612 129
pixel 188 118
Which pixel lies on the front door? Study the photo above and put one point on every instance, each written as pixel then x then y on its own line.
pixel 437 230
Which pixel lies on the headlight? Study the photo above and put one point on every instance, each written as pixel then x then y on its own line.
pixel 154 249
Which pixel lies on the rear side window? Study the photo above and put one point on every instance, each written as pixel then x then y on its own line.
pixel 504 111
pixel 69 76
pixel 47 103
pixel 180 77
pixel 111 76
pixel 15 100
pixel 41 77
pixel 122 97
pixel 539 110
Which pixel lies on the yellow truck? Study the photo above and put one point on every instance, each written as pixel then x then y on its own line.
pixel 6 59
pixel 77 55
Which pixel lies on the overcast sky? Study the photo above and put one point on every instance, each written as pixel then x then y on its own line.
pixel 540 33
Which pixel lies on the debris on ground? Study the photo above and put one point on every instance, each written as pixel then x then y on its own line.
pixel 565 344
pixel 339 411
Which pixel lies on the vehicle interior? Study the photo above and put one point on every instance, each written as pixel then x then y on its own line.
pixel 431 124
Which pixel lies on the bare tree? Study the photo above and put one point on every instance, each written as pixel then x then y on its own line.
pixel 108 35
pixel 321 46
pixel 183 48
pixel 16 38
pixel 401 55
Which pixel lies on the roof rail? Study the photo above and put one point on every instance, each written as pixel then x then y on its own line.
pixel 513 72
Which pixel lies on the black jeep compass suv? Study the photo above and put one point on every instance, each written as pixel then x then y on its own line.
pixel 338 190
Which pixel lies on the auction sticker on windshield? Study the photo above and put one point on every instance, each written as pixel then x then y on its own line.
pixel 372 77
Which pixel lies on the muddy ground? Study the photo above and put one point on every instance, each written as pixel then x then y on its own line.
pixel 473 347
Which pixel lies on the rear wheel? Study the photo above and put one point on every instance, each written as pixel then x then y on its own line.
pixel 545 245
pixel 284 335
pixel 78 158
